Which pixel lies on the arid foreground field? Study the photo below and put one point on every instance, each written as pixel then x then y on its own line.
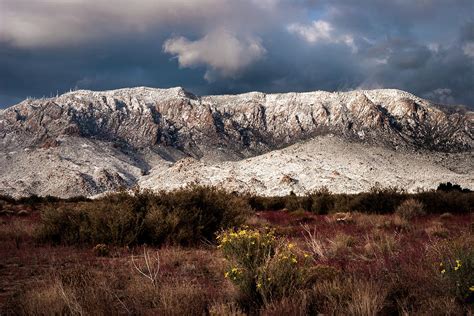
pixel 201 251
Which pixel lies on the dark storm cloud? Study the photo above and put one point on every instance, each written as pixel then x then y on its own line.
pixel 224 46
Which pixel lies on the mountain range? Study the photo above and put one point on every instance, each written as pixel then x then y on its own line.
pixel 87 142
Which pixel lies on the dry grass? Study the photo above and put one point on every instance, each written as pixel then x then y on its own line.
pixel 182 298
pixel 314 244
pixel 340 244
pixel 369 221
pixel 438 230
pixel 371 265
pixel 367 298
pixel 323 250
pixel 380 244
pixel 50 295
pixel 349 296
pixel 228 309
pixel 296 305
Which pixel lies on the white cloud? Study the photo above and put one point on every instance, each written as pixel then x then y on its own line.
pixel 468 49
pixel 316 32
pixel 46 23
pixel 321 31
pixel 221 51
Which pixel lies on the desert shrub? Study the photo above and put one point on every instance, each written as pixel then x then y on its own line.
pixel 441 202
pixel 262 203
pixel 377 200
pixel 246 251
pixel 249 248
pixel 184 216
pixel 263 268
pixel 293 202
pixel 32 199
pixel 399 223
pixel 60 225
pixel 190 215
pixel 410 209
pixel 7 199
pixel 449 187
pixel 93 223
pixel 458 271
pixel 101 250
pixel 322 201
pixel 283 274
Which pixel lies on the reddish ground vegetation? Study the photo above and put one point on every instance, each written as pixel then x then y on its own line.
pixel 360 264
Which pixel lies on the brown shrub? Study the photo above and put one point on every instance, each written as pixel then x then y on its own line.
pixel 410 209
pixel 101 250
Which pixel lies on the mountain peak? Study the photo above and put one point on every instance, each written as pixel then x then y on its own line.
pixel 125 133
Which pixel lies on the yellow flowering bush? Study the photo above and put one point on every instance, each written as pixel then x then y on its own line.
pixel 248 248
pixel 263 267
pixel 459 273
pixel 283 274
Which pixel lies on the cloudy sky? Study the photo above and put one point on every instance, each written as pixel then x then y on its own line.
pixel 228 46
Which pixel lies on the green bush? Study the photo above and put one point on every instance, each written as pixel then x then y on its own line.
pixel 190 215
pixel 115 220
pixel 377 201
pixel 184 216
pixel 322 201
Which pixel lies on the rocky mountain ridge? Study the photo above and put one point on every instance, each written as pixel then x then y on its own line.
pixel 136 131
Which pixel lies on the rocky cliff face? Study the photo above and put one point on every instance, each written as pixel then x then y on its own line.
pixel 248 123
pixel 136 129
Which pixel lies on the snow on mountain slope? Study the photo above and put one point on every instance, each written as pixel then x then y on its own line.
pixel 329 161
pixel 87 142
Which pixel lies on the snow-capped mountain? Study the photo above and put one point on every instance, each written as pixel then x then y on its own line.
pixel 86 142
